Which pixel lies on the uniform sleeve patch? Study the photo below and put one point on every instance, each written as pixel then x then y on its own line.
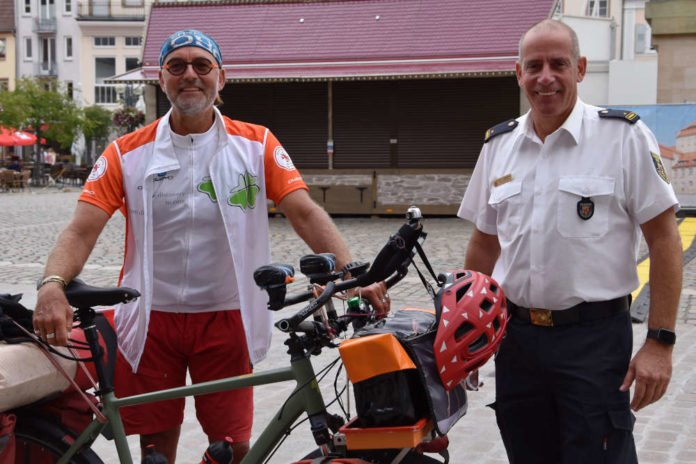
pixel 659 167
pixel 282 159
pixel 99 169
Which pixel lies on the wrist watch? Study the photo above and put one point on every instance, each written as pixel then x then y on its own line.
pixel 664 336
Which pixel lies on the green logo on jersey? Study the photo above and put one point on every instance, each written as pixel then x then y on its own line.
pixel 244 195
pixel 207 187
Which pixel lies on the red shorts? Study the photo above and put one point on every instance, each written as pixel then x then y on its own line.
pixel 212 345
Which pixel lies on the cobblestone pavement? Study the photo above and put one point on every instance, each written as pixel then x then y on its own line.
pixel 665 432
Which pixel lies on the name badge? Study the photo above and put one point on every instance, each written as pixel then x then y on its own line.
pixel 502 180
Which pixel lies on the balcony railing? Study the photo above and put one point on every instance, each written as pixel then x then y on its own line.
pixel 45 25
pixel 106 10
pixel 46 68
pixel 105 94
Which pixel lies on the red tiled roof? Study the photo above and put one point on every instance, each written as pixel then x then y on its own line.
pixel 669 152
pixel 688 156
pixel 7 16
pixel 690 130
pixel 352 39
pixel 686 160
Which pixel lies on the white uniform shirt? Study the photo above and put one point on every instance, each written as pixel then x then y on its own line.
pixel 526 192
pixel 188 228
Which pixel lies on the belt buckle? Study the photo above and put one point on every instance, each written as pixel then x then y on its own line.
pixel 541 317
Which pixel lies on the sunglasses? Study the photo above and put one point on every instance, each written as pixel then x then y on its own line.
pixel 201 66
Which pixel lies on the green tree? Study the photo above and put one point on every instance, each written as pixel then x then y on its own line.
pixel 40 105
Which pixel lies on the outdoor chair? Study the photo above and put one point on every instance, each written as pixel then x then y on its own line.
pixel 9 180
pixel 24 179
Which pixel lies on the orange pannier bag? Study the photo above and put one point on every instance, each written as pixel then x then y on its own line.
pixel 386 384
pixel 396 381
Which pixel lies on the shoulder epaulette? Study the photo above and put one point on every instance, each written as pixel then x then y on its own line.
pixel 501 128
pixel 628 116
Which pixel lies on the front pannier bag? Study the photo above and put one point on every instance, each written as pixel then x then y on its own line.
pixel 387 389
pixel 396 382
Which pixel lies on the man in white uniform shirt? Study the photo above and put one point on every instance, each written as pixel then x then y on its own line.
pixel 558 198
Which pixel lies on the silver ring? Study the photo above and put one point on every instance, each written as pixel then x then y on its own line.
pixel 51 335
pixel 386 296
pixel 384 299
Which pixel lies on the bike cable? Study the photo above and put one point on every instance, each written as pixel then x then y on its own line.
pixel 340 393
pixel 428 287
pixel 319 377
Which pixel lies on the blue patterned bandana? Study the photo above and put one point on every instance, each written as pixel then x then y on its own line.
pixel 190 38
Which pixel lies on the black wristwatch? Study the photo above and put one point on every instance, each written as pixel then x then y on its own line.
pixel 664 336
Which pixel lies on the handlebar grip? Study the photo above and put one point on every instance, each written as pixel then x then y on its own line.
pixel 394 253
pixel 273 274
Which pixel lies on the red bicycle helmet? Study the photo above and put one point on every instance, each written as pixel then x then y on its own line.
pixel 472 317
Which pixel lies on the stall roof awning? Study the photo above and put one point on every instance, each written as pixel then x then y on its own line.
pixel 358 39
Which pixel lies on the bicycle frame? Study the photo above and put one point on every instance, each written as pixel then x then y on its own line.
pixel 389 265
pixel 306 397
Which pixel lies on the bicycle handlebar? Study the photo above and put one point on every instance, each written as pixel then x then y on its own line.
pixel 390 265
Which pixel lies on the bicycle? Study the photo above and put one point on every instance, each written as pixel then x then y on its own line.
pixel 42 439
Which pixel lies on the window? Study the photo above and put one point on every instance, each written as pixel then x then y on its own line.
pixel 67 7
pixel 27 48
pixel 3 48
pixel 134 41
pixel 133 3
pixel 643 36
pixel 598 8
pixel 27 7
pixel 132 63
pixel 48 56
pixel 68 48
pixel 105 41
pixel 4 85
pixel 47 10
pixel 558 11
pixel 70 89
pixel 103 69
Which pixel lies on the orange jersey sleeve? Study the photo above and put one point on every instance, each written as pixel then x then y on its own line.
pixel 104 186
pixel 281 175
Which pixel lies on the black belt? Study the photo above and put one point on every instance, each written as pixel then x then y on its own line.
pixel 575 314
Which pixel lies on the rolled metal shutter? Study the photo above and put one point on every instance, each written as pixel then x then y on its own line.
pixel 294 112
pixel 362 123
pixel 163 104
pixel 441 122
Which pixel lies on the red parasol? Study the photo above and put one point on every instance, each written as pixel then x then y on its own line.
pixel 11 138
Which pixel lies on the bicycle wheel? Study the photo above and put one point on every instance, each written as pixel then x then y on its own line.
pixel 42 442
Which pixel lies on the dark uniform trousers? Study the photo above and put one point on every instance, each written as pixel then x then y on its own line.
pixel 557 392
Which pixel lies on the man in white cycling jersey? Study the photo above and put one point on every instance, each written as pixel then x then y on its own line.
pixel 193 187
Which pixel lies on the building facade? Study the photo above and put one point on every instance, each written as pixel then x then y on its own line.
pixel 615 37
pixel 684 163
pixel 674 34
pixel 7 45
pixel 360 84
pixel 80 43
